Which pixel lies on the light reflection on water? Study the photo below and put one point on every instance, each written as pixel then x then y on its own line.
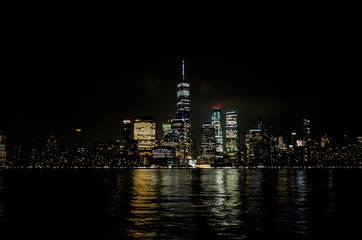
pixel 177 203
pixel 218 203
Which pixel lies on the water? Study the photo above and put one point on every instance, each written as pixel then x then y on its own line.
pixel 180 204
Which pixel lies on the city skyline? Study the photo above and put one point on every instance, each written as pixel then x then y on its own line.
pixel 62 78
pixel 263 146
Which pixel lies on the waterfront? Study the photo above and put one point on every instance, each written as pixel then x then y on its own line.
pixel 179 203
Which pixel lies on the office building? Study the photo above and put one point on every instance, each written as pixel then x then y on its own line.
pixel 145 134
pixel 78 136
pixel 163 156
pixel 127 130
pixel 232 136
pixel 2 149
pixel 254 146
pixel 306 131
pixel 216 122
pixel 182 123
pixel 165 128
pixel 208 144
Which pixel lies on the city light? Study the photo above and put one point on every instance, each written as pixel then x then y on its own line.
pixel 220 144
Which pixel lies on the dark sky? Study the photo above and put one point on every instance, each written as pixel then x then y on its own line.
pixel 90 68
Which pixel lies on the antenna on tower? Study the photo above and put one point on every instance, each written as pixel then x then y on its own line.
pixel 183 69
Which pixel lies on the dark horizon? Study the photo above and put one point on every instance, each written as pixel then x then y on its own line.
pixel 71 73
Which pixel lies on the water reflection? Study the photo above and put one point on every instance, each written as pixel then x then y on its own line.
pixel 218 203
pixel 177 203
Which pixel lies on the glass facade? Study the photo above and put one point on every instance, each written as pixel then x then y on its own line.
pixel 208 144
pixel 126 129
pixel 232 136
pixel 182 123
pixel 216 122
pixel 145 134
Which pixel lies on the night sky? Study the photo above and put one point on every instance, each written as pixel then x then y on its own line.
pixel 76 67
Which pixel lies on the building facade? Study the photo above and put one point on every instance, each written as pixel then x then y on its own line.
pixel 232 136
pixel 208 144
pixel 216 122
pixel 145 134
pixel 182 122
pixel 2 149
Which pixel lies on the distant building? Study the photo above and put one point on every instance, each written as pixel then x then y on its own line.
pixel 163 156
pixel 165 128
pixel 325 141
pixel 293 140
pixel 145 134
pixel 306 131
pixel 78 136
pixel 254 146
pixel 208 144
pixel 307 140
pixel 172 139
pixel 232 136
pixel 281 145
pixel 79 155
pixel 181 127
pixel 51 149
pixel 183 112
pixel 127 129
pixel 2 149
pixel 216 122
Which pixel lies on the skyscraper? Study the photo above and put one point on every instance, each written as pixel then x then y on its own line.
pixel 51 149
pixel 2 149
pixel 182 123
pixel 208 144
pixel 145 134
pixel 307 140
pixel 232 136
pixel 306 131
pixel 78 136
pixel 126 129
pixel 216 122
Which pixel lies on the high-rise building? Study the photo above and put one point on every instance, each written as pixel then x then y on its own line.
pixel 293 139
pixel 216 121
pixel 79 150
pixel 208 144
pixel 254 146
pixel 78 136
pixel 183 114
pixel 306 131
pixel 2 149
pixel 165 128
pixel 307 140
pixel 232 136
pixel 172 139
pixel 145 134
pixel 51 149
pixel 126 129
pixel 163 156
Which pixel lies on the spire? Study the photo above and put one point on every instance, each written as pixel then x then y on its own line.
pixel 183 69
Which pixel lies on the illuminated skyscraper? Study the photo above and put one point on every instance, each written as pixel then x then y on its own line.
pixel 182 123
pixel 126 129
pixel 307 140
pixel 216 121
pixel 51 149
pixel 2 149
pixel 306 131
pixel 78 136
pixel 232 136
pixel 208 144
pixel 145 134
pixel 165 128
